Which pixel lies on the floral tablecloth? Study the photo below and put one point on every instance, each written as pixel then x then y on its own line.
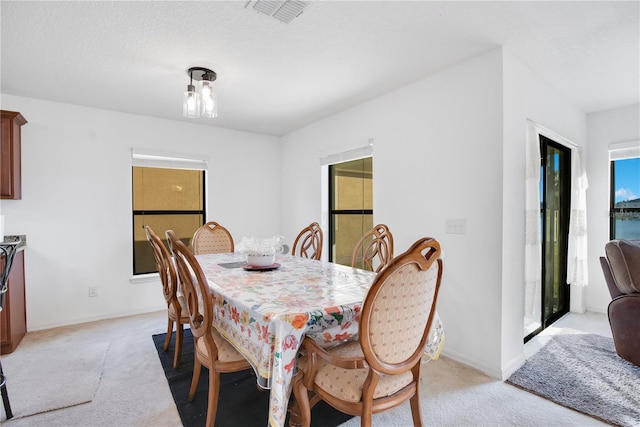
pixel 266 314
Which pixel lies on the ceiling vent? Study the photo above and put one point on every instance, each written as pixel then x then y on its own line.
pixel 284 11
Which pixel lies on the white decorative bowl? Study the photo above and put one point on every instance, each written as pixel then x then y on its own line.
pixel 261 260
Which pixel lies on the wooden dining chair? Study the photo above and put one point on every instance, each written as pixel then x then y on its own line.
pixel 176 313
pixel 212 238
pixel 374 250
pixel 308 244
pixel 210 348
pixel 382 369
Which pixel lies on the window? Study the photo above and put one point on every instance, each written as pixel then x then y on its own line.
pixel 350 206
pixel 625 198
pixel 169 197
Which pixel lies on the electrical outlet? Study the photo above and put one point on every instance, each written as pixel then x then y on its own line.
pixel 457 226
pixel 93 291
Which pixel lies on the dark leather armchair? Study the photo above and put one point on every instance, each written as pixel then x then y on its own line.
pixel 621 268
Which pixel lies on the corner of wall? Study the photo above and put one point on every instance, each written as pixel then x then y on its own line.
pixel 493 372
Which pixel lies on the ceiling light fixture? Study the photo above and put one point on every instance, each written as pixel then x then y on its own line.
pixel 200 102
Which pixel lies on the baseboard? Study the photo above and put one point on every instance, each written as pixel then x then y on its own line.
pixel 598 310
pixel 499 374
pixel 512 366
pixel 493 373
pixel 44 326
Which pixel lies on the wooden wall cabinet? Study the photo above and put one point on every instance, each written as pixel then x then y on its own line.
pixel 10 155
pixel 13 318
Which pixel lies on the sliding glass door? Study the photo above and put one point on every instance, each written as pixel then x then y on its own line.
pixel 555 208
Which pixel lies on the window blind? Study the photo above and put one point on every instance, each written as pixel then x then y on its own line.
pixel 164 159
pixel 345 156
pixel 624 150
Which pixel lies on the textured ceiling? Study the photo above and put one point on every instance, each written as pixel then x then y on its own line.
pixel 274 77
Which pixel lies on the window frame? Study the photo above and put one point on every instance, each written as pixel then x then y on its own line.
pixel 165 160
pixel 334 212
pixel 325 162
pixel 613 211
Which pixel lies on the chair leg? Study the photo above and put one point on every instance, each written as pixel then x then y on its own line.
pixel 365 419
pixel 5 394
pixel 415 408
pixel 196 376
pixel 169 332
pixel 214 390
pixel 416 414
pixel 301 410
pixel 178 350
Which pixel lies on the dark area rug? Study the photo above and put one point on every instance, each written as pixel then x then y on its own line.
pixel 240 404
pixel 584 373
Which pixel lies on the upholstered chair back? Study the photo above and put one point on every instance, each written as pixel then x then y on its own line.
pixel 399 308
pixel 212 238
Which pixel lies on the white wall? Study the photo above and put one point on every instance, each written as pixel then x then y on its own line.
pixel 76 202
pixel 607 127
pixel 526 96
pixel 437 155
pixel 451 145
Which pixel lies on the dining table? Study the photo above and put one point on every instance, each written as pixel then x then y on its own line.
pixel 266 312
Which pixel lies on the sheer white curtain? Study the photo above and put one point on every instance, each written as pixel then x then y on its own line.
pixel 533 246
pixel 577 271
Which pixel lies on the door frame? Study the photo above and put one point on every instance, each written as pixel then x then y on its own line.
pixel 565 289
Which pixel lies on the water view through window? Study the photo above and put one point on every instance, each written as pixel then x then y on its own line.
pixel 625 198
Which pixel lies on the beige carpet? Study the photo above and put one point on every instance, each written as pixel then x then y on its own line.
pixel 456 395
pixel 133 390
pixel 47 380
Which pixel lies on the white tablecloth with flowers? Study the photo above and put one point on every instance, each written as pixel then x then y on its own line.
pixel 266 314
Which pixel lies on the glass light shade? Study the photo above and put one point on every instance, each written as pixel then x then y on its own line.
pixel 208 103
pixel 191 103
